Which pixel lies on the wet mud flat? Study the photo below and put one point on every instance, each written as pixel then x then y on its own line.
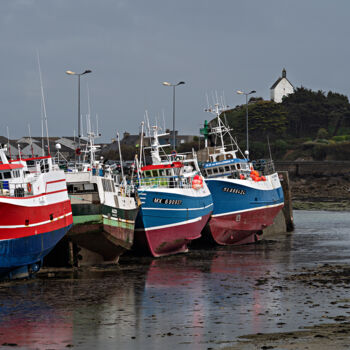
pixel 335 334
pixel 292 289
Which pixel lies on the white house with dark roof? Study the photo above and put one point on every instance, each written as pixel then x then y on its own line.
pixel 281 88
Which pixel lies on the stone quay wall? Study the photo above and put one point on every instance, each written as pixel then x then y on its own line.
pixel 314 168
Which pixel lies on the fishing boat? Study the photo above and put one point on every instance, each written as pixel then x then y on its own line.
pixel 175 201
pixel 35 213
pixel 104 209
pixel 247 195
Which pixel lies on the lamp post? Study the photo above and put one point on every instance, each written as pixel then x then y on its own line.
pixel 165 83
pixel 69 72
pixel 246 104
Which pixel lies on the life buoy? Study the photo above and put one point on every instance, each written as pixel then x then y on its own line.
pixel 197 182
pixel 29 187
pixel 241 176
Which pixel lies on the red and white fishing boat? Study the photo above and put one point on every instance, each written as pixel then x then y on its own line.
pixel 35 213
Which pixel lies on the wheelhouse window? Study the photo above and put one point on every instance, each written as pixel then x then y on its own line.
pixel 227 168
pixel 7 175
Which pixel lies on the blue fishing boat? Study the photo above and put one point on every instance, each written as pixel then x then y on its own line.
pixel 247 195
pixel 175 202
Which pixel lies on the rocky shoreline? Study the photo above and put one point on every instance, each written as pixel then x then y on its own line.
pixel 321 193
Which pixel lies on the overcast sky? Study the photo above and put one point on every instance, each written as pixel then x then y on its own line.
pixel 132 46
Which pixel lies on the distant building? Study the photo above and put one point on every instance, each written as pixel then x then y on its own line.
pixel 37 146
pixel 281 88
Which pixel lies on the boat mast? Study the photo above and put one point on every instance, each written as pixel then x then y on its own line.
pixel 120 156
pixel 8 141
pixel 43 105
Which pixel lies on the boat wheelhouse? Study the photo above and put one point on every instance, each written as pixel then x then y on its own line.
pixel 175 202
pixel 247 195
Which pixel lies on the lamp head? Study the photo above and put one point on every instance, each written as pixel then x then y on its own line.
pixel 86 71
pixel 166 83
pixel 252 92
pixel 240 92
pixel 70 72
pixel 180 83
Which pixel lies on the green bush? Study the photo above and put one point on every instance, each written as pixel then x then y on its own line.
pixel 341 138
pixel 322 133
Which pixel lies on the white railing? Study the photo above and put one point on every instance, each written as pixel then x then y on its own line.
pixel 11 189
pixel 165 182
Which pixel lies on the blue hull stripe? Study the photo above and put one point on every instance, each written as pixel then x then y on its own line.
pixel 153 214
pixel 19 252
pixel 241 198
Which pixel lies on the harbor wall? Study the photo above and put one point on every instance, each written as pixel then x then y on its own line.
pixel 284 221
pixel 314 168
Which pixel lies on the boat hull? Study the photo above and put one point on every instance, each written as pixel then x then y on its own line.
pixel 104 230
pixel 21 257
pixel 241 227
pixel 168 221
pixel 242 209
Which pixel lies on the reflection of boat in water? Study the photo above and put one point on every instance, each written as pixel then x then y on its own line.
pixel 247 195
pixel 175 202
pixel 28 322
pixel 35 213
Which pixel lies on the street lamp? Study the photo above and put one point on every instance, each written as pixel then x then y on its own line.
pixel 69 72
pixel 246 104
pixel 165 83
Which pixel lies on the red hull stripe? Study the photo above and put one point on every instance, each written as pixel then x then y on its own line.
pixel 37 223
pixel 19 231
pixel 20 215
pixel 38 195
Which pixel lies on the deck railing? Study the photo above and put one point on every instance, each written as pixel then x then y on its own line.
pixel 264 166
pixel 11 189
pixel 165 182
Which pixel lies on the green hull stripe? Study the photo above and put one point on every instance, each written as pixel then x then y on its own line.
pixel 87 219
pixel 121 224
